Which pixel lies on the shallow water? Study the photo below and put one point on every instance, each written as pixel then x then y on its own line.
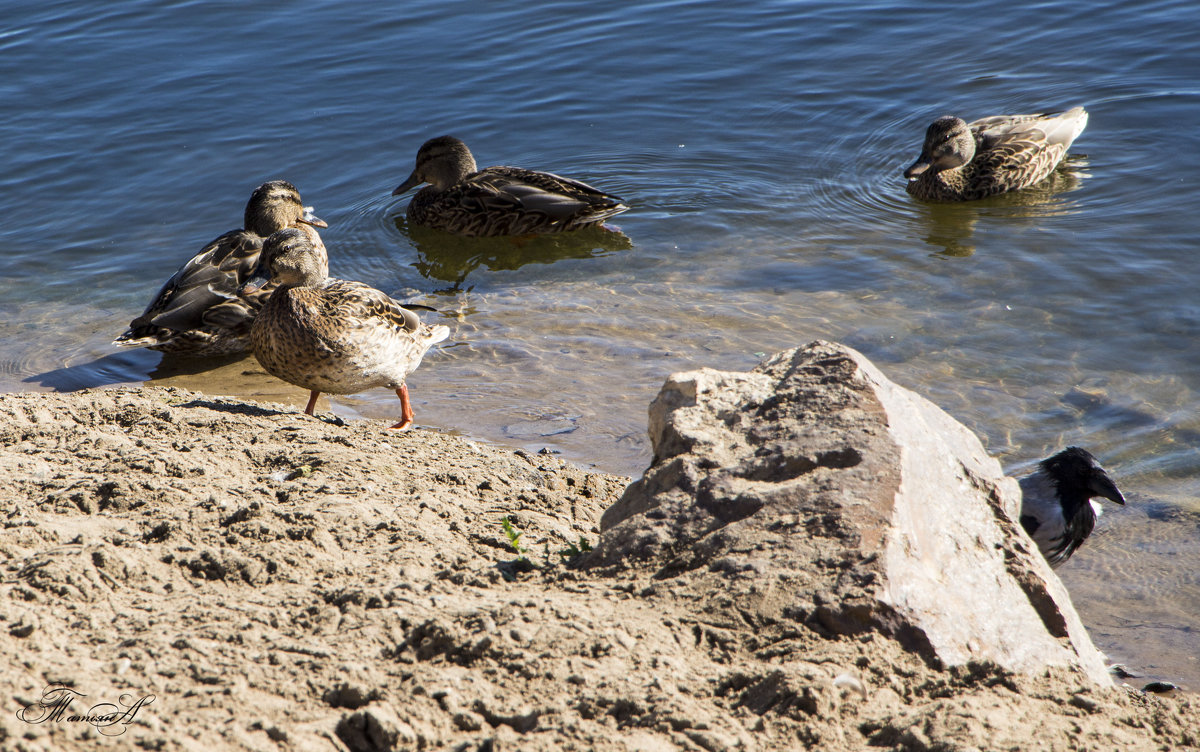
pixel 761 147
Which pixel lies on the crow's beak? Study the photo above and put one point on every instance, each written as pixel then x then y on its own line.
pixel 1101 485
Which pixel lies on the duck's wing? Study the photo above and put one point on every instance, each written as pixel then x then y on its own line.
pixel 1064 127
pixel 1019 150
pixel 553 196
pixel 990 128
pixel 1012 164
pixel 1039 130
pixel 357 305
pixel 203 292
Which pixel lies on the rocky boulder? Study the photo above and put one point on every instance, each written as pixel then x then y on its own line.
pixel 814 493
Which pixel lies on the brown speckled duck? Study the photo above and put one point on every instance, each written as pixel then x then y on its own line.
pixel 465 200
pixel 200 311
pixel 965 161
pixel 330 335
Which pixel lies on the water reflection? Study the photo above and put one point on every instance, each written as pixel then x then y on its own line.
pixel 450 258
pixel 950 227
pixel 106 370
pixel 235 375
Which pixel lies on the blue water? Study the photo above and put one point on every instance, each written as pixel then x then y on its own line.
pixel 761 146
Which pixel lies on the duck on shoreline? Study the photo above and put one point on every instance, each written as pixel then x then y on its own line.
pixel 200 311
pixel 331 335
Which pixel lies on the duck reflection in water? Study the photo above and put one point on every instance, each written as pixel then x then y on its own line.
pixel 950 227
pixel 449 258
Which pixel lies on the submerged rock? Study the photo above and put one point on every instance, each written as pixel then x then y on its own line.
pixel 815 492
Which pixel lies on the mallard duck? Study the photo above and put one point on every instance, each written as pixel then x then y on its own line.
pixel 465 200
pixel 199 311
pixel 330 335
pixel 1056 502
pixel 965 161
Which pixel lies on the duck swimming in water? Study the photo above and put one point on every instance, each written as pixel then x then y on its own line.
pixel 963 161
pixel 465 200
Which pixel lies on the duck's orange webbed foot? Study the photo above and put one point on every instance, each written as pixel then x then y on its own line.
pixel 406 411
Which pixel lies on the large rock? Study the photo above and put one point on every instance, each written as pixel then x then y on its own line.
pixel 815 492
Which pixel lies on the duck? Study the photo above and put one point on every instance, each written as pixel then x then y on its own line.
pixel 1057 502
pixel 332 335
pixel 963 161
pixel 199 312
pixel 464 200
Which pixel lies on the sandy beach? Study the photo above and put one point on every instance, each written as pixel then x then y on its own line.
pixel 219 574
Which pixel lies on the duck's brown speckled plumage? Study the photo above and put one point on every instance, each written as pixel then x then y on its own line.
pixel 965 161
pixel 498 200
pixel 331 335
pixel 200 311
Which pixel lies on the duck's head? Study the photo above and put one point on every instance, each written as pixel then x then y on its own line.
pixel 291 257
pixel 441 162
pixel 948 144
pixel 275 205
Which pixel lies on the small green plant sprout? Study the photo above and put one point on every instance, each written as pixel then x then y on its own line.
pixel 514 537
pixel 575 549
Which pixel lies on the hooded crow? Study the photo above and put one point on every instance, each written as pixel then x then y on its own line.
pixel 1056 502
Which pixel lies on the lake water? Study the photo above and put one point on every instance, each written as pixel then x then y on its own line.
pixel 761 147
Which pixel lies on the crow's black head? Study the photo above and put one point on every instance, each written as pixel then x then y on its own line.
pixel 1078 477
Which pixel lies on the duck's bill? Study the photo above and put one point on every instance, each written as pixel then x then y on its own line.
pixel 310 219
pixel 916 168
pixel 412 182
pixel 254 284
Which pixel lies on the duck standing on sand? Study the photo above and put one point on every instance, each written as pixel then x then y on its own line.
pixel 330 335
pixel 200 312
pixel 1056 502
pixel 465 200
pixel 965 161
